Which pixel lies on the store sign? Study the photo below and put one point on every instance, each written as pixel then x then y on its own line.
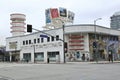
pixel 13 45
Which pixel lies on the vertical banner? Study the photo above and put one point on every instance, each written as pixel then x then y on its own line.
pixel 71 16
pixel 48 16
pixel 54 13
pixel 63 12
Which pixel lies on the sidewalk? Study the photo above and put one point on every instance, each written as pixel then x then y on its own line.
pixel 93 62
pixel 81 62
pixel 105 62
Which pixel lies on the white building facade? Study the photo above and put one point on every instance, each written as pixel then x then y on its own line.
pixel 79 40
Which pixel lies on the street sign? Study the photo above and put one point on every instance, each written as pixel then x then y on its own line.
pixel 43 36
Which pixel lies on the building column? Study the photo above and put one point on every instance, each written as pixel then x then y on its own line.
pixel 45 56
pixel 61 56
pixel 33 53
pixel 32 57
pixel 21 55
pixel 10 56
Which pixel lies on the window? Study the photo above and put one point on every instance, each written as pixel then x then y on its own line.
pixel 29 41
pixel 57 37
pixel 35 41
pixel 42 40
pixel 26 42
pixel 23 42
pixel 48 39
pixel 52 38
pixel 38 40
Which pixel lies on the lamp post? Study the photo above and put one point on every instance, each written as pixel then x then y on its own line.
pixel 63 40
pixel 96 47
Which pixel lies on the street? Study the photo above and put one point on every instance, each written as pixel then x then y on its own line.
pixel 68 71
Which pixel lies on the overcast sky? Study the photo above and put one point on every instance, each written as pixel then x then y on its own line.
pixel 86 11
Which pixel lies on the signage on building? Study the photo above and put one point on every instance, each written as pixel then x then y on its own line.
pixel 13 45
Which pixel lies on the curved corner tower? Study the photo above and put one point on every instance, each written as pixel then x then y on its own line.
pixel 17 24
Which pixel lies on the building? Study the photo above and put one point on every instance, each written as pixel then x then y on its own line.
pixel 80 42
pixel 115 21
pixel 17 22
pixel 4 56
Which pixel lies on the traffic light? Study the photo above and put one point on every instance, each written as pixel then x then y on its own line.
pixel 29 28
pixel 65 47
pixel 95 44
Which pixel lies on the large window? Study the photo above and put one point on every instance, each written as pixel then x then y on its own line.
pixel 39 56
pixel 52 55
pixel 27 56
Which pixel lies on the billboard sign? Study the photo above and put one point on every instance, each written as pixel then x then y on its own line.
pixel 48 16
pixel 71 15
pixel 63 12
pixel 54 13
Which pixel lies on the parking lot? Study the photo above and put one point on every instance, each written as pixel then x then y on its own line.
pixel 68 71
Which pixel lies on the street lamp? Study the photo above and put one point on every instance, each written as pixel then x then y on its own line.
pixel 63 40
pixel 96 46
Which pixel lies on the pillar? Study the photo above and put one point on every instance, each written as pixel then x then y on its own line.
pixel 10 56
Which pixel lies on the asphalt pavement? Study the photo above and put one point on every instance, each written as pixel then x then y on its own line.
pixel 69 71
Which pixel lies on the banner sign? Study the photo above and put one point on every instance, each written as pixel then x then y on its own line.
pixel 63 12
pixel 48 16
pixel 54 13
pixel 71 15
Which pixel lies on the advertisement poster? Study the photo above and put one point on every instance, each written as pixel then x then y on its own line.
pixel 54 13
pixel 63 12
pixel 48 16
pixel 71 15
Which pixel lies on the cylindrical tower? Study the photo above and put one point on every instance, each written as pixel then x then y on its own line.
pixel 17 24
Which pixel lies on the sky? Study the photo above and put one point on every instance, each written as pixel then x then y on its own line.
pixel 86 11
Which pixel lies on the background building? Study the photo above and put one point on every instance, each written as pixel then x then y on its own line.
pixel 115 21
pixel 4 56
pixel 17 24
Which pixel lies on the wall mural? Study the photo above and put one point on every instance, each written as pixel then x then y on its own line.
pixel 104 43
